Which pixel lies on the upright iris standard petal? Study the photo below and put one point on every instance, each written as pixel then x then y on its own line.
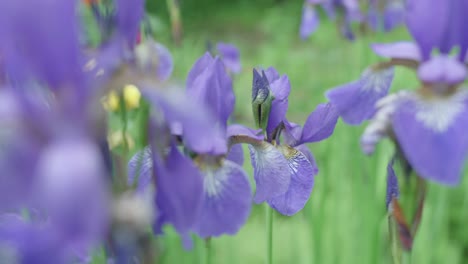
pixel 393 190
pixel 271 171
pixel 140 169
pixel 355 101
pixel 227 200
pixel 40 39
pixel 302 180
pixel 279 106
pixel 398 50
pixel 230 56
pixel 211 85
pixel 309 21
pixel 240 130
pixel 197 123
pixel 432 135
pixel 179 191
pixel 320 124
pixel 442 69
pixel 129 15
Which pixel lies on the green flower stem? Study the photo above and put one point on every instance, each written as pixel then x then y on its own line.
pixel 269 224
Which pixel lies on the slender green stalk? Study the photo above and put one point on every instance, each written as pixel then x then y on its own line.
pixel 208 256
pixel 394 241
pixel 269 224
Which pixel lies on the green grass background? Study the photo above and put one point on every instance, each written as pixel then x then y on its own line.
pixel 345 219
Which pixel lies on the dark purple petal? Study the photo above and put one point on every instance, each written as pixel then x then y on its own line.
pixel 442 69
pixel 355 101
pixel 373 19
pixel 240 130
pixel 230 56
pixel 129 16
pixel 280 89
pixel 393 191
pixel 227 200
pixel 260 86
pixel 212 87
pixel 432 135
pixel 271 171
pixel 179 191
pixel 397 50
pixel 140 169
pixel 155 59
pixel 198 125
pixel 320 124
pixel 302 180
pixel 309 21
pixel 236 154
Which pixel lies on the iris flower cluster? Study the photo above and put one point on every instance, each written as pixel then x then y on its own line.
pixel 378 15
pixel 427 124
pixel 61 196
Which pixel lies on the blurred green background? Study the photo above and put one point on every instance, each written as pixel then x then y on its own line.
pixel 345 220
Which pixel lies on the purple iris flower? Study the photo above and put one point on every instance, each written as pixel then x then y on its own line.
pixel 215 197
pixel 290 162
pixel 428 123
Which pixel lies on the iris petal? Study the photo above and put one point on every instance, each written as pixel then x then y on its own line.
pixel 271 171
pixel 302 180
pixel 355 101
pixel 140 169
pixel 227 200
pixel 432 134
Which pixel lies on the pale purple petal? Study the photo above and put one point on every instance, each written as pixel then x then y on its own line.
pixel 227 201
pixel 442 69
pixel 211 85
pixel 320 124
pixel 309 21
pixel 280 89
pixel 198 125
pixel 432 135
pixel 230 56
pixel 271 171
pixel 355 101
pixel 292 133
pixel 397 50
pixel 179 191
pixel 140 169
pixel 302 181
pixel 306 151
pixel 272 74
pixel 236 154
pixel 71 187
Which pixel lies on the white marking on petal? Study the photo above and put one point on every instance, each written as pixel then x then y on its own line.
pixel 438 113
pixel 214 180
pixel 376 81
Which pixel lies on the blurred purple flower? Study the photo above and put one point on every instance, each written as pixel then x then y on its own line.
pixel 230 56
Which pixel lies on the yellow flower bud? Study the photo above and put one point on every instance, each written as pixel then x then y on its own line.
pixel 131 95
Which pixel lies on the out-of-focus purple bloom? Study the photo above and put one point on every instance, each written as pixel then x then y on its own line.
pixel 309 21
pixel 128 16
pixel 355 101
pixel 398 50
pixel 394 14
pixel 154 58
pixel 231 57
pixel 442 69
